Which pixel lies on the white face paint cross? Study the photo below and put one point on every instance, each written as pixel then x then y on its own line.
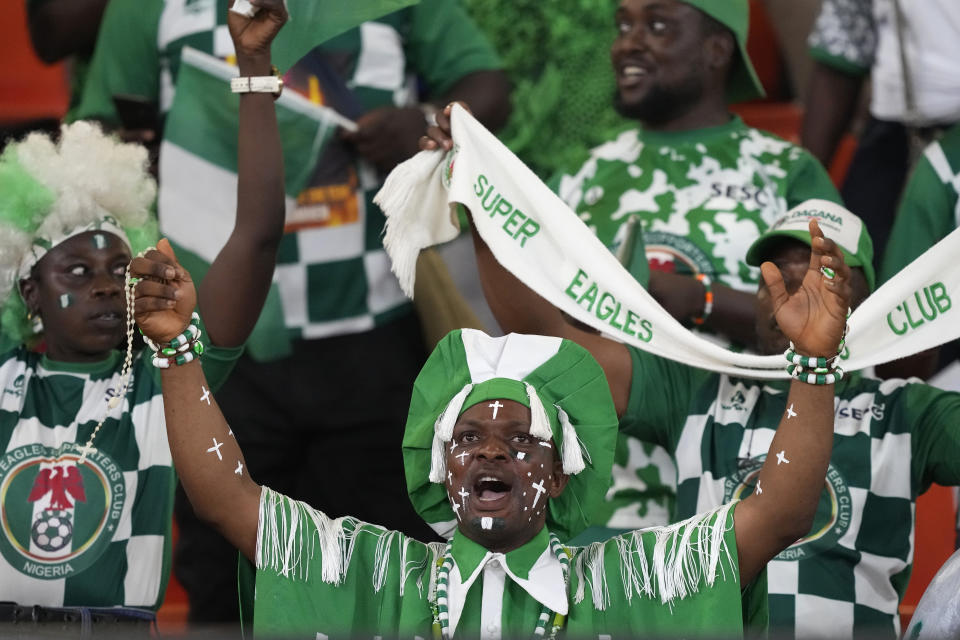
pixel 759 490
pixel 239 469
pixel 540 489
pixel 463 495
pixel 790 412
pixel 495 406
pixel 216 449
pixel 781 457
pixel 206 395
pixel 462 455
pixel 456 509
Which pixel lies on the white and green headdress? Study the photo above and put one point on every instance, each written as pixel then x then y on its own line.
pixel 569 401
pixel 51 191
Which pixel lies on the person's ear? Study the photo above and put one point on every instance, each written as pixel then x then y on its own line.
pixel 719 50
pixel 560 479
pixel 30 292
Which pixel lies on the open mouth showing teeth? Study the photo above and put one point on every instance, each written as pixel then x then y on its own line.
pixel 489 488
pixel 633 71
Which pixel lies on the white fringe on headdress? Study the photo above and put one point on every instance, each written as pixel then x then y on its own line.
pixel 539 422
pixel 572 455
pixel 443 433
pixel 684 555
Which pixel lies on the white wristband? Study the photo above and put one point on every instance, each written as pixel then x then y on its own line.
pixel 256 84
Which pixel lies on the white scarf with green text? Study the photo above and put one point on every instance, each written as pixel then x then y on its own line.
pixel 536 237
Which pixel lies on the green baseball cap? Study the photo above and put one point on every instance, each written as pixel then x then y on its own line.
pixel 743 83
pixel 569 400
pixel 836 222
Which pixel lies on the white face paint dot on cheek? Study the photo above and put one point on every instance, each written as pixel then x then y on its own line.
pixel 486 523
pixel 521 455
pixel 65 301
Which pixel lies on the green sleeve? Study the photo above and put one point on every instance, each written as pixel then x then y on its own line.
pixel 934 417
pixel 808 179
pixel 339 578
pixel 125 61
pixel 444 45
pixel 662 394
pixel 926 216
pixel 693 590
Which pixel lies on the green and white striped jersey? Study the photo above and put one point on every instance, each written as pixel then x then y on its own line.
pixel 333 276
pixel 96 534
pixel 892 439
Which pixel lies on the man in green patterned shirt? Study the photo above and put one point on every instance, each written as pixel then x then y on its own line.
pixel 701 183
pixel 698 182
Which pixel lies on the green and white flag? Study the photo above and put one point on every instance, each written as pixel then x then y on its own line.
pixel 315 21
pixel 198 157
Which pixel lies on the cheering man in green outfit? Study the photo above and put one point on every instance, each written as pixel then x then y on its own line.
pixel 509 445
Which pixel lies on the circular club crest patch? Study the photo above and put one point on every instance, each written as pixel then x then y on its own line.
pixel 675 254
pixel 57 516
pixel 833 512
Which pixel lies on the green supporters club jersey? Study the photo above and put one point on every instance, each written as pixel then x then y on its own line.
pixel 333 276
pixel 930 208
pixel 96 534
pixel 892 439
pixel 702 197
pixel 323 578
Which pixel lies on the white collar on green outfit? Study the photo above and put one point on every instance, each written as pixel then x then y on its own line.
pixel 533 566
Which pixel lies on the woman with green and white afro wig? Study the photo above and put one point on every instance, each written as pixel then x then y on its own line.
pixel 51 191
pixel 86 475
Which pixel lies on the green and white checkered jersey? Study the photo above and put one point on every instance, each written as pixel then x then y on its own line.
pixel 892 440
pixel 702 197
pixel 333 276
pixel 930 208
pixel 96 534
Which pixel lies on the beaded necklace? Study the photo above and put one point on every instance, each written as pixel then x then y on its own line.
pixel 120 390
pixel 441 615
